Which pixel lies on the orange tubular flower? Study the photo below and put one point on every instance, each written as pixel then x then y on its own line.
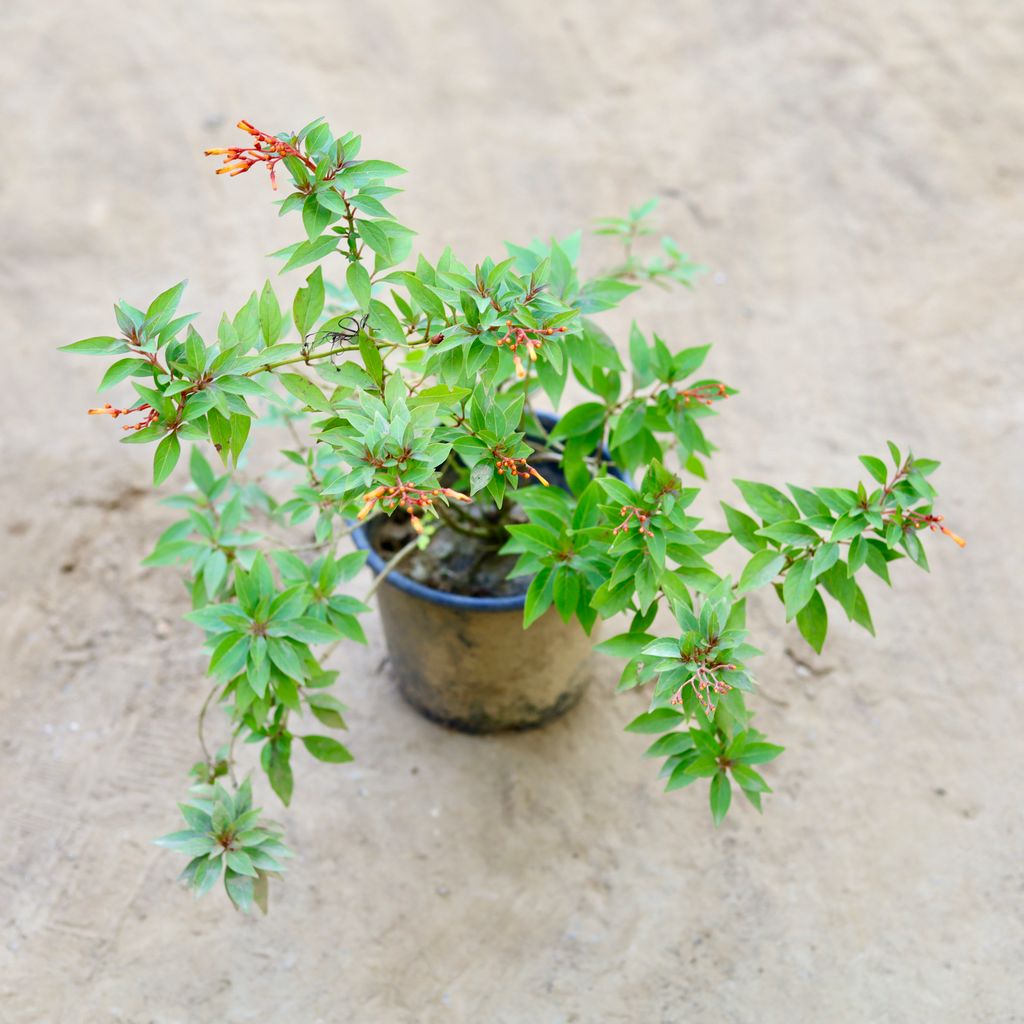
pixel 642 519
pixel 933 522
pixel 953 537
pixel 704 394
pixel 267 150
pixel 108 410
pixel 517 468
pixel 530 337
pixel 412 499
pixel 704 683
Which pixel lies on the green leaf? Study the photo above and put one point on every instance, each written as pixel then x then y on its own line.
pixel 604 294
pixel 625 645
pixel 761 569
pixel 797 587
pixel 327 709
pixel 793 533
pixel 102 346
pixel 214 571
pixel 165 458
pixel 578 421
pixel 656 721
pixel 743 528
pixel 123 368
pixel 748 779
pixel 370 206
pixel 306 391
pixel 480 476
pixel 315 217
pixel 640 356
pixel 767 502
pixel 240 426
pixel 189 842
pixel 824 558
pixel 812 621
pixel 200 471
pixel 847 526
pixel 538 597
pixel 311 252
pixel 310 630
pixel 876 467
pixel 757 753
pixel 279 771
pixel 665 647
pixel 371 358
pixel 389 240
pixel 689 359
pixel 323 748
pixel 858 554
pixel 238 860
pixel 425 298
pixel 166 302
pixel 239 889
pixel 670 743
pixel 283 655
pixel 359 284
pixel 269 315
pixel 566 592
pixel 309 302
pixel 721 797
pixel 371 170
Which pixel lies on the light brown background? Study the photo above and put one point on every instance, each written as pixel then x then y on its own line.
pixel 852 174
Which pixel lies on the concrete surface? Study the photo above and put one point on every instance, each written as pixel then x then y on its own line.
pixel 852 174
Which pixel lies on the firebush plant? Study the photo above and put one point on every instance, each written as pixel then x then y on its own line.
pixel 413 391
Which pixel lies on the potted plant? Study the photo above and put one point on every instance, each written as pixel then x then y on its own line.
pixel 413 397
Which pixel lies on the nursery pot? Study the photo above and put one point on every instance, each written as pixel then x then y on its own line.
pixel 466 662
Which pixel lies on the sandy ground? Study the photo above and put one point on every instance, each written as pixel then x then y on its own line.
pixel 852 174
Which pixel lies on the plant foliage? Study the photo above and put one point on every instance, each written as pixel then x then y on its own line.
pixel 397 376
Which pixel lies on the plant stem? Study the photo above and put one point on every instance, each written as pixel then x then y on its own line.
pixel 201 721
pixel 266 367
pixel 391 564
pixel 450 519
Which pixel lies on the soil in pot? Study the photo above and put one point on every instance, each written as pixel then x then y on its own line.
pixel 453 562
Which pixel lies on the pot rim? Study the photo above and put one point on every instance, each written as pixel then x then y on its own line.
pixel 508 603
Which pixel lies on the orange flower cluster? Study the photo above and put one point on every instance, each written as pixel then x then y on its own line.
pixel 531 337
pixel 704 394
pixel 108 410
pixel 410 498
pixel 517 468
pixel 704 683
pixel 918 521
pixel 268 150
pixel 642 518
